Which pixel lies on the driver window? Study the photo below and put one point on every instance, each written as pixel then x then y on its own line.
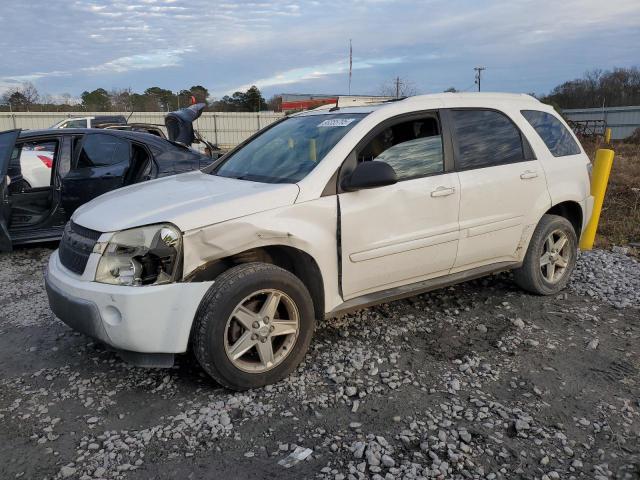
pixel 31 165
pixel 413 148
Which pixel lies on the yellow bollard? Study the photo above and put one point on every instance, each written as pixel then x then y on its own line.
pixel 599 180
pixel 607 136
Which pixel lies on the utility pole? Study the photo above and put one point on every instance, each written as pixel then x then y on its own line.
pixel 397 87
pixel 350 64
pixel 479 75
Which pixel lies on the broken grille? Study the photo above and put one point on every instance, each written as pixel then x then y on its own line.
pixel 76 245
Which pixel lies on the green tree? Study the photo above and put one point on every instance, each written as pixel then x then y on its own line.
pixel 253 100
pixel 200 92
pixel 97 100
pixel 249 101
pixel 17 101
pixel 164 99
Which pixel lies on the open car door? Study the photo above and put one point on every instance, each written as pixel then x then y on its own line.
pixel 7 143
pixel 99 165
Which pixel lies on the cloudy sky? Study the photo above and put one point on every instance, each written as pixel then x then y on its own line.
pixel 302 45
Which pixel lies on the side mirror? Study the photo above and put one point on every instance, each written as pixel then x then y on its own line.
pixel 370 174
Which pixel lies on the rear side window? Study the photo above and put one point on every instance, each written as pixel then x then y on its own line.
pixel 413 148
pixel 485 138
pixel 553 133
pixel 99 150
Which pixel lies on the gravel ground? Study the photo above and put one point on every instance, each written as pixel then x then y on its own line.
pixel 475 381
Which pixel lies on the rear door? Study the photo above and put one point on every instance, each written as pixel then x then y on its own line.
pixel 502 187
pixel 564 163
pixel 100 163
pixel 7 143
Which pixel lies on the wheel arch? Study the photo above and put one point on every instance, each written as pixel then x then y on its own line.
pixel 572 211
pixel 292 259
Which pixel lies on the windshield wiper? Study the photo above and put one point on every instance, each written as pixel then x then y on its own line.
pixel 240 177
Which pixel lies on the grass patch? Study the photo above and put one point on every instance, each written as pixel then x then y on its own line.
pixel 620 219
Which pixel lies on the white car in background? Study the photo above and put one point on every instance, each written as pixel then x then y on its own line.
pixel 34 162
pixel 97 121
pixel 318 214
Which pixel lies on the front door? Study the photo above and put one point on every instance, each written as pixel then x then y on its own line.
pixel 7 144
pixel 101 162
pixel 406 232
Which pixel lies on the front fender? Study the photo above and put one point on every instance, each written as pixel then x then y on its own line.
pixel 309 227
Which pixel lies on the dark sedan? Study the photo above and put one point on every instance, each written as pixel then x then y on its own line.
pixel 45 175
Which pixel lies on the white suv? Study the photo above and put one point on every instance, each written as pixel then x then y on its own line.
pixel 320 213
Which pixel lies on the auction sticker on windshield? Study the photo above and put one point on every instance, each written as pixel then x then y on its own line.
pixel 336 122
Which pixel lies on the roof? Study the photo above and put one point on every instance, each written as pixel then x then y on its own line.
pixel 423 101
pixel 131 135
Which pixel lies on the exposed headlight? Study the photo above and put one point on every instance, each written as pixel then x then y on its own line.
pixel 141 256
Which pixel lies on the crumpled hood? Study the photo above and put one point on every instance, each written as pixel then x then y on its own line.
pixel 189 201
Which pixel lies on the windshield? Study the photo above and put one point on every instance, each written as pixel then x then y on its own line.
pixel 288 151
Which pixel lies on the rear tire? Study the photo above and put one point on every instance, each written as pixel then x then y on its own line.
pixel 550 258
pixel 254 326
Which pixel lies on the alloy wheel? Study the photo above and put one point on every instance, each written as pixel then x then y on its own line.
pixel 261 331
pixel 556 254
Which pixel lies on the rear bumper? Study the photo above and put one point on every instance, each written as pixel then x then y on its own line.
pixel 150 319
pixel 587 209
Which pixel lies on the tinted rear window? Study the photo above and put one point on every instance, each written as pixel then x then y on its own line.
pixel 485 138
pixel 100 150
pixel 553 133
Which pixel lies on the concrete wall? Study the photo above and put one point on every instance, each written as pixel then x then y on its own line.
pixel 227 129
pixel 622 120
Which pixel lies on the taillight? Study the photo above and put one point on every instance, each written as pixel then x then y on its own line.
pixel 46 160
pixel 589 169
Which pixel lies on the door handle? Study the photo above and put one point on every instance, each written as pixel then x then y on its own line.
pixel 443 191
pixel 526 175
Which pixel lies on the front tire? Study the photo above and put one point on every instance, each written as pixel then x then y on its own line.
pixel 254 326
pixel 550 258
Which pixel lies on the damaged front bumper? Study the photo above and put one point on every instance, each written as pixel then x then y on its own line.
pixel 147 324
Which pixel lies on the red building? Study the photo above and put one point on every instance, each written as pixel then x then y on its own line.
pixel 295 101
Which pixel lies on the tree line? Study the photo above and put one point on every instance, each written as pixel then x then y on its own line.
pixel 596 88
pixel 25 98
